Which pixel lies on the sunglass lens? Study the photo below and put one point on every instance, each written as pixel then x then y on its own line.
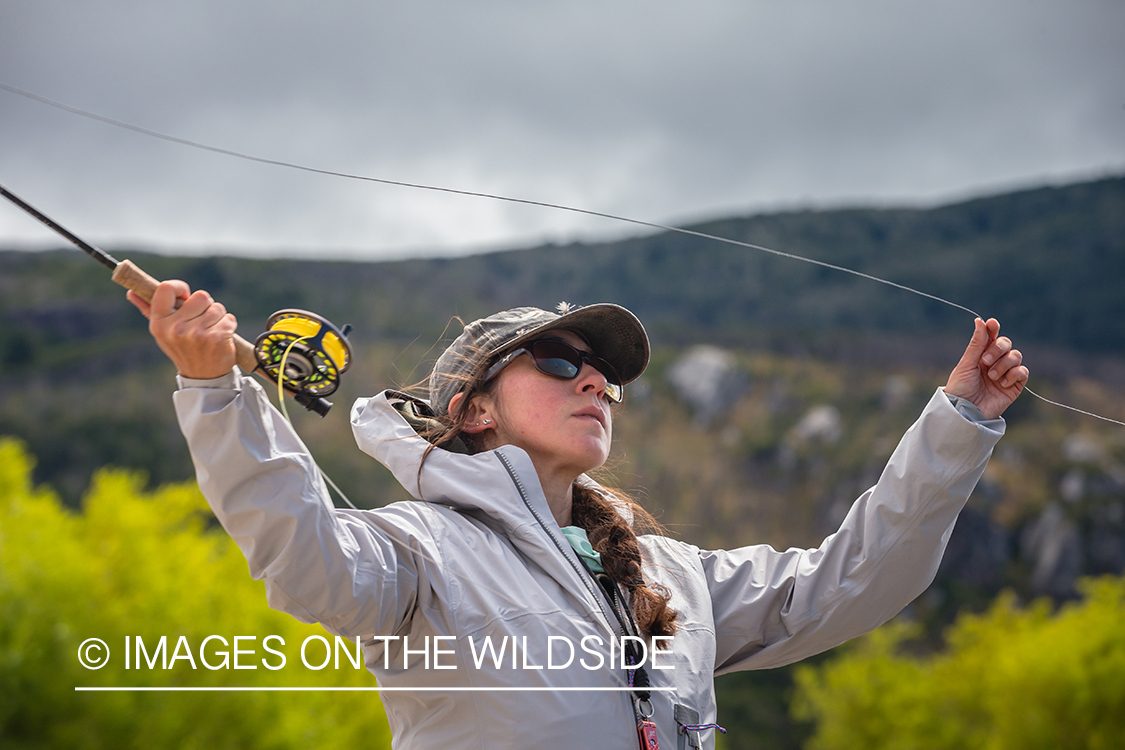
pixel 560 368
pixel 556 359
pixel 564 361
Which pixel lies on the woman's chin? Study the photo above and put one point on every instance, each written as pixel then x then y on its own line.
pixel 593 457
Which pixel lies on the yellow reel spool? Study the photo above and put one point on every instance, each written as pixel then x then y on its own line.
pixel 318 352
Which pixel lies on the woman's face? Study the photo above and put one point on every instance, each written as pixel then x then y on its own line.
pixel 564 425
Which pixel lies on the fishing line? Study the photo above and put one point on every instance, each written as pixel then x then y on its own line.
pixel 508 199
pixel 281 377
pixel 521 201
pixel 543 204
pixel 470 193
pixel 285 413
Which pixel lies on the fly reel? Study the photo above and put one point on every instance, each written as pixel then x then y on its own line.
pixel 304 352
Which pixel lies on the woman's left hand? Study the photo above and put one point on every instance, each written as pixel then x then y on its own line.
pixel 989 373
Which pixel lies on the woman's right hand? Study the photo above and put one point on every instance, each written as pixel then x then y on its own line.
pixel 195 331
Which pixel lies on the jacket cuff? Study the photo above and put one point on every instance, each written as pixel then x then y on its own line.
pixel 232 380
pixel 967 409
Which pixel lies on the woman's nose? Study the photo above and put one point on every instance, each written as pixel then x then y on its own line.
pixel 591 380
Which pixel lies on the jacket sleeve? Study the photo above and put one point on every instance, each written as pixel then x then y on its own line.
pixel 352 571
pixel 772 608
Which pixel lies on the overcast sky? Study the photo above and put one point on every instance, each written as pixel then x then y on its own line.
pixel 663 112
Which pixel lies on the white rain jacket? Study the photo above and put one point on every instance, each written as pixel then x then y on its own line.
pixel 481 557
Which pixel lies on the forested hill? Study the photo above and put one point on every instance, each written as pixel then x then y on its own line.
pixel 1049 262
pixel 83 384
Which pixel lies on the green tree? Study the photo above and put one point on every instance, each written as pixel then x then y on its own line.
pixel 1009 678
pixel 151 565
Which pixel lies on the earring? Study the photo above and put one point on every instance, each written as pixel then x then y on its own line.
pixel 488 421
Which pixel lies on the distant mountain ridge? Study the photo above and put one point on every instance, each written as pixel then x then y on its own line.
pixel 1049 261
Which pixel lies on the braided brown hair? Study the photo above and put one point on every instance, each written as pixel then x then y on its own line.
pixel 615 539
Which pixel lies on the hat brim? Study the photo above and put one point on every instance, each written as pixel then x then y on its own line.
pixel 614 334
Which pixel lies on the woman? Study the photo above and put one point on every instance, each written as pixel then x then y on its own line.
pixel 492 625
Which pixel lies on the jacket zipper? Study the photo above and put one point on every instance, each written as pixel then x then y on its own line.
pixel 582 575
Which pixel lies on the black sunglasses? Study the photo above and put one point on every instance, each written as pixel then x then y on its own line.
pixel 558 358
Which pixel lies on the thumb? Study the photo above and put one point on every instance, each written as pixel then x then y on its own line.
pixel 982 337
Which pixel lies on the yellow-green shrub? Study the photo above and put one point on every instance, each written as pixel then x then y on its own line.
pixel 1009 678
pixel 149 564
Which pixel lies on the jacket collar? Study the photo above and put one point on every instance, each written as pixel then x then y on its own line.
pixel 501 485
pixel 479 483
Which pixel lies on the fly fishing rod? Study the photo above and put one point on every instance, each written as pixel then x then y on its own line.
pixel 302 352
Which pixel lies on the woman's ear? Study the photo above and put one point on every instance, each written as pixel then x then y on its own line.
pixel 455 402
pixel 477 417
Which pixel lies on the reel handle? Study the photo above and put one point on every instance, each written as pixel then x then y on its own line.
pixel 130 276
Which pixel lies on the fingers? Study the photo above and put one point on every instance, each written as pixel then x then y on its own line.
pixel 164 299
pixel 140 304
pixel 991 373
pixel 1017 375
pixel 195 331
pixel 1006 360
pixel 174 310
pixel 1001 359
pixel 200 318
pixel 1008 369
pixel 210 311
pixel 999 347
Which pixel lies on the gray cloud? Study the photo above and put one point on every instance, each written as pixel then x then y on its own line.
pixel 624 107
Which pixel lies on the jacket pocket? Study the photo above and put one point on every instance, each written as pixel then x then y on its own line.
pixel 686 717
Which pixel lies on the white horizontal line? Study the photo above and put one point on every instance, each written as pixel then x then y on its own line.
pixel 365 689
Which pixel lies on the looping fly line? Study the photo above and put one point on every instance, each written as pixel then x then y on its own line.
pixel 522 201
